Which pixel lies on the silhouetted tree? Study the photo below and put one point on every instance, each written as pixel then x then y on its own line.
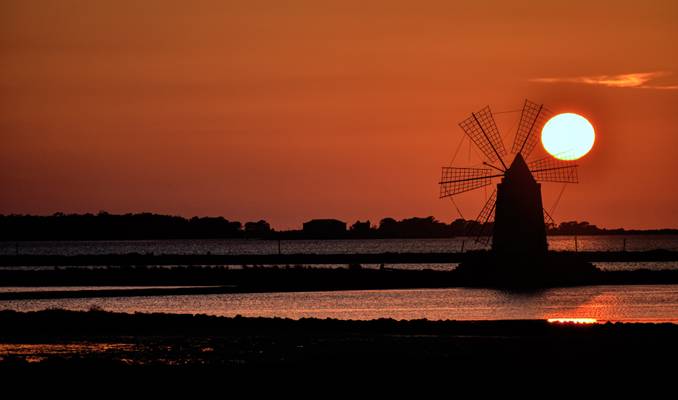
pixel 388 227
pixel 103 226
pixel 361 229
pixel 577 228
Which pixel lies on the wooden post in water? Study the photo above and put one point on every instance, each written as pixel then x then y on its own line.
pixel 576 247
pixel 462 246
pixel 624 246
pixel 279 247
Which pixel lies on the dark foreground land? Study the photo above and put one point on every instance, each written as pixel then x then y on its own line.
pixel 58 341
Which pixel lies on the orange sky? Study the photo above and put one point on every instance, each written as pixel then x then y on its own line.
pixel 291 110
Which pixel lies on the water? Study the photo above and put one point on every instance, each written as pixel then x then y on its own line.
pixel 239 246
pixel 636 265
pixel 636 303
pixel 613 303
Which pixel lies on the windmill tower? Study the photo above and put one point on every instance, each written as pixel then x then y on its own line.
pixel 514 208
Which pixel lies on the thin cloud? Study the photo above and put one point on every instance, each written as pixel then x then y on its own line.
pixel 638 80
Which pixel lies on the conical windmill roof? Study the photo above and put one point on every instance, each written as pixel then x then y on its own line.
pixel 518 172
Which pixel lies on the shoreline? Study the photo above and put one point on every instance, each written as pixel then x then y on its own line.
pixel 291 259
pixel 56 339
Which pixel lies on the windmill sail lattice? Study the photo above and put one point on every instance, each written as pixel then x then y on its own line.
pixel 548 220
pixel 553 170
pixel 482 130
pixel 484 219
pixel 532 120
pixel 458 180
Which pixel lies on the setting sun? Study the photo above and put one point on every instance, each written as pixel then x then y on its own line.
pixel 568 136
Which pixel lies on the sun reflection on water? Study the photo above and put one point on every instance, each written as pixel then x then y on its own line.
pixel 576 321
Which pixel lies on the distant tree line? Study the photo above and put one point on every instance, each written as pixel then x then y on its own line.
pixel 105 226
pixel 571 228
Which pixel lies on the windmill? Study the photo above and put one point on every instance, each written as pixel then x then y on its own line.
pixel 514 208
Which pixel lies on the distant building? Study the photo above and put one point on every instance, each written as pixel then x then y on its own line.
pixel 257 229
pixel 325 228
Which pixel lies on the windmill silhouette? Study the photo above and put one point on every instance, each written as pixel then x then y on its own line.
pixel 514 208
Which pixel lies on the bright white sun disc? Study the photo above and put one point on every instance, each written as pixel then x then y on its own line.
pixel 568 136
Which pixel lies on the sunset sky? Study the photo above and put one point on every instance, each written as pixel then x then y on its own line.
pixel 292 110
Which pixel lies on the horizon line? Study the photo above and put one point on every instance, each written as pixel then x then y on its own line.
pixel 300 226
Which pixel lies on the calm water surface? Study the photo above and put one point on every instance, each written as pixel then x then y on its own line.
pixel 637 303
pixel 237 246
pixel 613 303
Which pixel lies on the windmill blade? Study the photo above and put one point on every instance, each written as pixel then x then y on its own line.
pixel 553 170
pixel 480 228
pixel 532 120
pixel 482 130
pixel 548 220
pixel 458 180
